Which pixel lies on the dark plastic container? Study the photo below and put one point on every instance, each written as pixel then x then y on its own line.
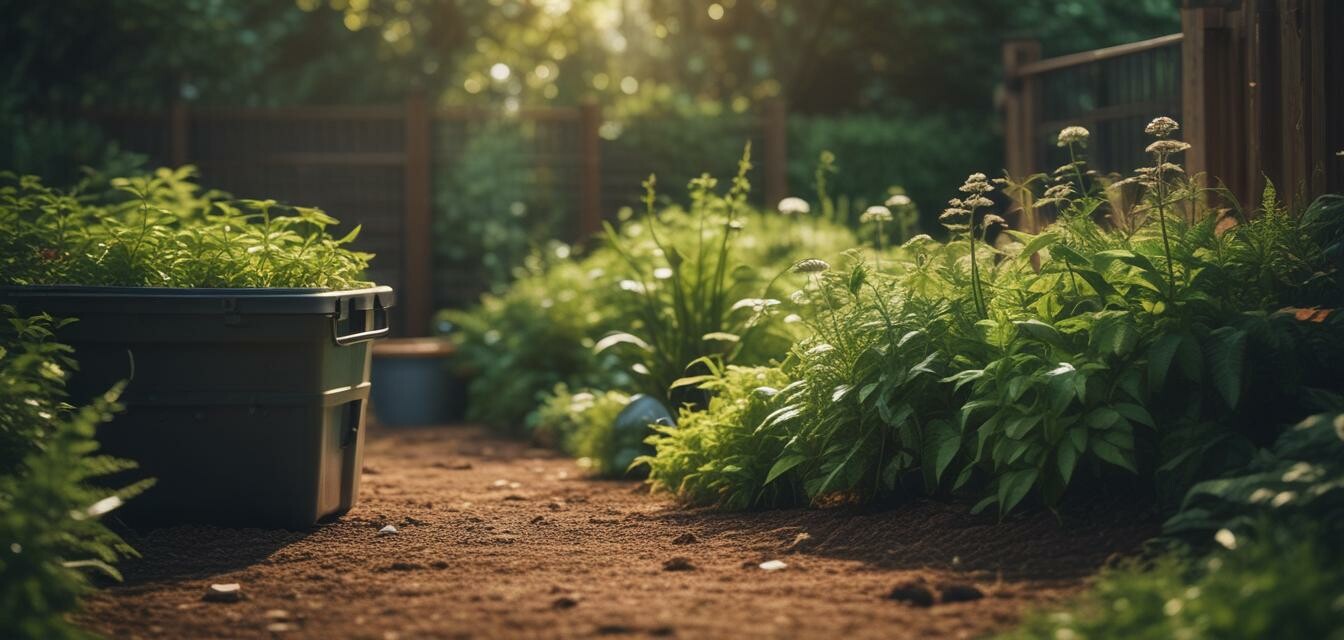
pixel 247 405
pixel 415 383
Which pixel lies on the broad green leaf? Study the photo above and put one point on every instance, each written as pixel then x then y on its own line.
pixel 1033 244
pixel 1159 359
pixel 942 443
pixel 691 381
pixel 784 465
pixel 1042 331
pixel 1135 413
pixel 1013 486
pixel 1227 353
pixel 1112 454
pixel 1102 418
pixel 983 504
pixel 1067 459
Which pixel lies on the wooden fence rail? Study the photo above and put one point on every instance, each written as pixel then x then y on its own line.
pixel 1257 84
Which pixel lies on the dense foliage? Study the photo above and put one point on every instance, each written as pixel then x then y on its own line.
pixel 1016 369
pixel 161 230
pixel 621 317
pixel 1280 582
pixel 582 425
pixel 48 510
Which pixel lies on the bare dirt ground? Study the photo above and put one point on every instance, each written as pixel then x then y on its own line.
pixel 495 539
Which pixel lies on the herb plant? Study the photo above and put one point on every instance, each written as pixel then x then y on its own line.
pixel 161 230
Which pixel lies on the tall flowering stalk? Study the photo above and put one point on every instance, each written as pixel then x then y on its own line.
pixel 1161 149
pixel 959 218
pixel 880 215
pixel 1075 139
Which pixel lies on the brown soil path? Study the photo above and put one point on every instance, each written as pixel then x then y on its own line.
pixel 498 540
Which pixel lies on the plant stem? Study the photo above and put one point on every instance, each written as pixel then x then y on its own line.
pixel 1162 220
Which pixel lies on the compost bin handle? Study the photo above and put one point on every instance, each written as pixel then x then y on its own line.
pixel 363 336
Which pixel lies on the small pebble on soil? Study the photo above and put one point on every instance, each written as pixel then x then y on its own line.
pixel 678 563
pixel 961 593
pixel 387 531
pixel 686 538
pixel 565 602
pixel 773 565
pixel 227 592
pixel 405 566
pixel 914 593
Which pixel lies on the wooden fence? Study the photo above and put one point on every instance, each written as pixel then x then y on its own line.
pixel 1252 82
pixel 378 166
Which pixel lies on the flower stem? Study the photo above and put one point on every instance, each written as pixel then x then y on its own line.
pixel 1162 220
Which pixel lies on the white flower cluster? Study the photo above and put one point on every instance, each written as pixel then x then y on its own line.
pixel 1073 135
pixel 876 213
pixel 794 206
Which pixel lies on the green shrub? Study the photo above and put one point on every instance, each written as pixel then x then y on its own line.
pixel 161 230
pixel 713 456
pixel 518 345
pixel 1300 478
pixel 580 424
pixel 48 511
pixel 543 330
pixel 1127 353
pixel 1279 582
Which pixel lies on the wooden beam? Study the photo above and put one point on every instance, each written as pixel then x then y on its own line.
pixel 1212 85
pixel 417 258
pixel 1019 119
pixel 338 159
pixel 1020 107
pixel 590 171
pixel 775 126
pixel 315 112
pixel 1039 66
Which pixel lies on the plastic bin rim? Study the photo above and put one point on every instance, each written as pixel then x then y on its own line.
pixel 205 299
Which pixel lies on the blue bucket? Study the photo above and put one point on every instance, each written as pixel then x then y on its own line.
pixel 414 384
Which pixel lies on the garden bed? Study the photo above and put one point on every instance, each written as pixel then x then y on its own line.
pixel 497 539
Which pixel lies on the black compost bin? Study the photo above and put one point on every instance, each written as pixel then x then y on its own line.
pixel 247 405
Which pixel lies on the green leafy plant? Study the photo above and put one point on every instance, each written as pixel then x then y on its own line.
pixel 1277 582
pixel 580 424
pixel 685 301
pixel 716 456
pixel 543 330
pixel 518 345
pixel 1016 366
pixel 49 512
pixel 160 230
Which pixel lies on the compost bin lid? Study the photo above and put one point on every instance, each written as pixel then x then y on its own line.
pixel 58 299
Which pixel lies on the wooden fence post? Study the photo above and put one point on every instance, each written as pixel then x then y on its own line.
pixel 590 171
pixel 179 130
pixel 417 233
pixel 1301 101
pixel 775 125
pixel 1213 104
pixel 1021 97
